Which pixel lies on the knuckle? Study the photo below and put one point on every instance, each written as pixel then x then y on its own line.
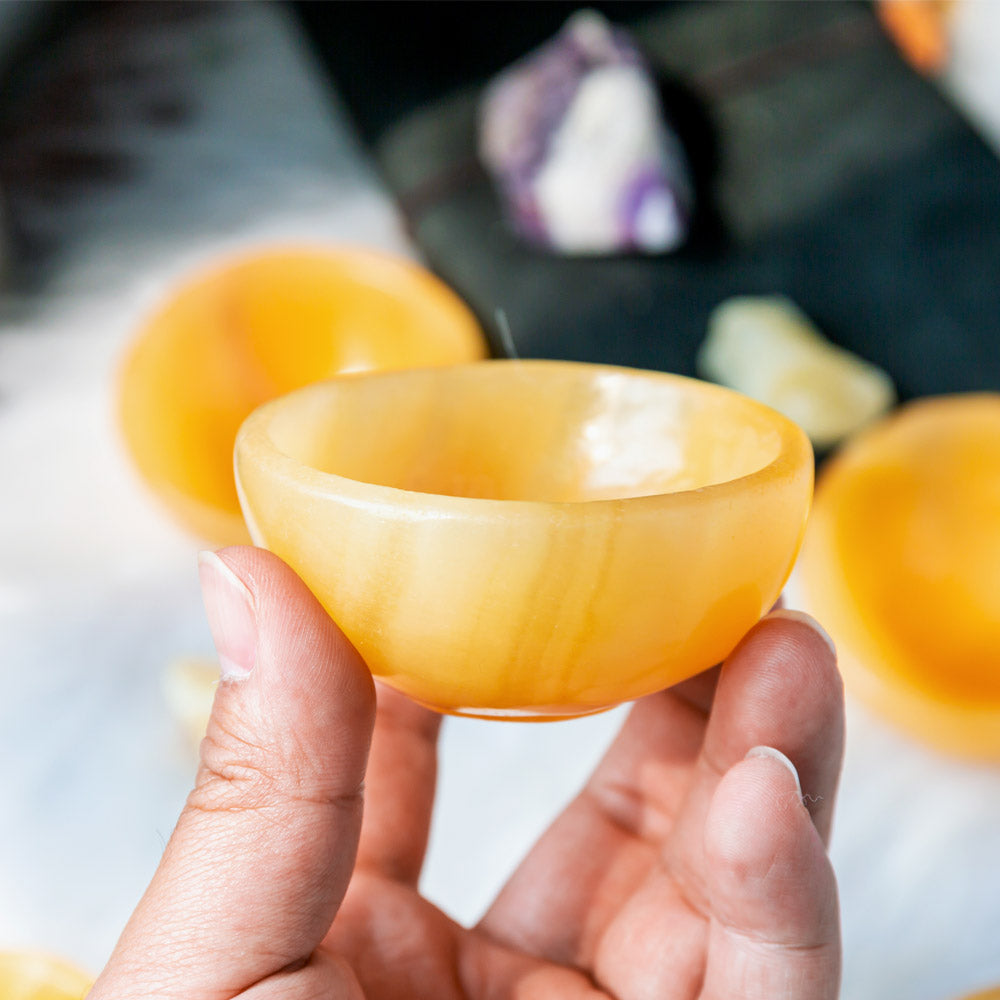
pixel 235 772
pixel 239 773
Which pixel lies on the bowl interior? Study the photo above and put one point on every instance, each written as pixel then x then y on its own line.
pixel 527 431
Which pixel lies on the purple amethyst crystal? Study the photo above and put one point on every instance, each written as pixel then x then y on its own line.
pixel 574 137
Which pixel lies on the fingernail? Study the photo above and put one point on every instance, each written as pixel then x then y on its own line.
pixel 807 620
pixel 229 606
pixel 778 756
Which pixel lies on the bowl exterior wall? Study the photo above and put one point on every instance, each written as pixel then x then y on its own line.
pixel 534 610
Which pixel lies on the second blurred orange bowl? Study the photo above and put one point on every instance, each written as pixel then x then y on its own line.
pixel 901 563
pixel 256 327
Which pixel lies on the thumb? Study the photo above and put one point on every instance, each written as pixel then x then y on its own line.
pixel 263 851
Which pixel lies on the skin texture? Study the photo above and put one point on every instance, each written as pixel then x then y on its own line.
pixel 684 870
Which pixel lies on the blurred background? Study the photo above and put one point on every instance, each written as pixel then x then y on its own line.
pixel 842 156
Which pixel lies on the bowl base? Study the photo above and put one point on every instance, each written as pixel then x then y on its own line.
pixel 546 714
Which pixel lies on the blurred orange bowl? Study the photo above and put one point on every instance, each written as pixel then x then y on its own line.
pixel 256 327
pixel 32 975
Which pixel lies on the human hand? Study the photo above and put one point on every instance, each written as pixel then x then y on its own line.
pixel 685 868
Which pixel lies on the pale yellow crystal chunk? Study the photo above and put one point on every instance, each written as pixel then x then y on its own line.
pixel 768 348
pixel 529 539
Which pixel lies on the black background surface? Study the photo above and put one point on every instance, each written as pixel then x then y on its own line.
pixel 892 243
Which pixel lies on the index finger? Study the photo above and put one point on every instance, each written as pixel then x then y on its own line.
pixel 783 689
pixel 779 688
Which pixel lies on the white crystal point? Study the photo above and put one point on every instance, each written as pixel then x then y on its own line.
pixel 591 31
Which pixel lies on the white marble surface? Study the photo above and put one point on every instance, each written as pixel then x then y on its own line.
pixel 98 592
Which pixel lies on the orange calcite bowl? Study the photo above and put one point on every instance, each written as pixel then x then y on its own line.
pixel 254 328
pixel 902 564
pixel 529 539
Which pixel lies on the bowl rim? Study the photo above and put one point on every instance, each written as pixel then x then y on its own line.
pixel 794 453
